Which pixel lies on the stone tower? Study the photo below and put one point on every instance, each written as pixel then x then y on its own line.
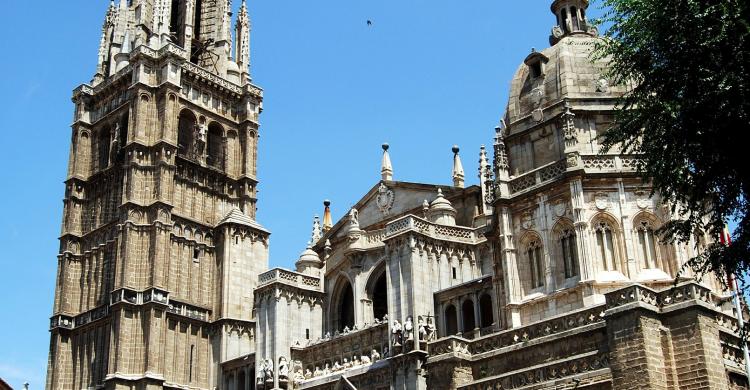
pixel 159 250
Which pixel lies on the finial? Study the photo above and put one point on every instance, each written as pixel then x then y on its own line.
pixel 386 170
pixel 316 233
pixel 458 169
pixel 483 163
pixel 327 220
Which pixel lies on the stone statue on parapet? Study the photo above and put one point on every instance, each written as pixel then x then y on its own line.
pixel 397 330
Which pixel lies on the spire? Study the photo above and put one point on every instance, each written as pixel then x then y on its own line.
pixel 386 171
pixel 458 169
pixel 485 179
pixel 316 233
pixel 122 59
pixel 106 39
pixel 501 156
pixel 327 220
pixel 571 19
pixel 242 39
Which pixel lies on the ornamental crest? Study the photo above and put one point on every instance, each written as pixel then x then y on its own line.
pixel 560 208
pixel 385 199
pixel 642 199
pixel 527 220
pixel 601 200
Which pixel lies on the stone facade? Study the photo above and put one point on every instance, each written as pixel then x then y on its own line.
pixel 547 275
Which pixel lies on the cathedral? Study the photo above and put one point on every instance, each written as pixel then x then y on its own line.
pixel 546 275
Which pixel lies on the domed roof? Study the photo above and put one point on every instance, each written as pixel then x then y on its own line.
pixel 565 70
pixel 232 67
pixel 309 255
pixel 440 203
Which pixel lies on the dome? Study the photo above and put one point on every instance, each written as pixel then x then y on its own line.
pixel 309 262
pixel 309 255
pixel 440 203
pixel 565 70
pixel 232 67
pixel 441 211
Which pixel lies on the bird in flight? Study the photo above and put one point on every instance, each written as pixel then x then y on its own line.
pixel 369 23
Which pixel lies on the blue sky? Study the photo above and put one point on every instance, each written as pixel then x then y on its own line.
pixel 428 74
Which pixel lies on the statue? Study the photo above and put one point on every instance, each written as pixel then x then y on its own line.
pixel 336 366
pixel 268 370
pixel 327 336
pixel 365 359
pixel 347 363
pixel 386 352
pixel 317 372
pixel 354 217
pixel 431 331
pixel 409 329
pixel 356 361
pixel 283 368
pixel 327 369
pixel 421 329
pixel 375 355
pixel 397 329
pixel 309 374
pixel 261 375
pixel 299 377
pixel 114 145
pixel 346 330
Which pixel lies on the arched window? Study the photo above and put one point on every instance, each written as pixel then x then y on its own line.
pixel 343 308
pixel 647 244
pixel 564 18
pixel 103 143
pixel 574 16
pixel 605 245
pixel 485 311
pixel 451 320
pixel 215 146
pixel 536 264
pixel 185 134
pixel 569 252
pixel 468 316
pixel 380 297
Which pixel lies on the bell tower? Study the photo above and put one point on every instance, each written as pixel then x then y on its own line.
pixel 571 19
pixel 159 249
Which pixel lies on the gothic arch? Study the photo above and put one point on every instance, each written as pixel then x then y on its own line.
pixel 233 153
pixel 468 316
pixel 451 320
pixel 531 261
pixel 215 145
pixel 650 251
pixel 486 316
pixel 186 125
pixel 376 289
pixel 564 250
pixel 607 243
pixel 341 311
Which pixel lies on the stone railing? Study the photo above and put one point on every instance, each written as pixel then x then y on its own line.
pixel 197 71
pixel 441 232
pixel 664 300
pixel 288 277
pixel 189 311
pixel 351 346
pixel 507 338
pixel 588 363
pixel 374 237
pixel 610 162
pixel 538 176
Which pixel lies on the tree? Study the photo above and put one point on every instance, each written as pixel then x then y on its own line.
pixel 687 114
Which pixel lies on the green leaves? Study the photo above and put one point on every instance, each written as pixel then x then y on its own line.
pixel 687 113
